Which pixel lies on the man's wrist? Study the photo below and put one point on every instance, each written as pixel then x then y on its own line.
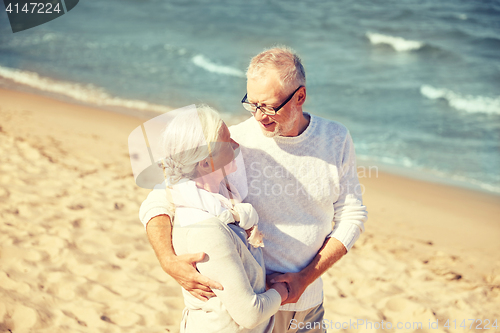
pixel 168 262
pixel 305 277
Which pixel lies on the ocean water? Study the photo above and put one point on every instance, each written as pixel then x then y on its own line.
pixel 416 82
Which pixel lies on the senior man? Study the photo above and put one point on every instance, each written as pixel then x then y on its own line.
pixel 302 180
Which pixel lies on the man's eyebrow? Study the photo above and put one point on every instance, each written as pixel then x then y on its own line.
pixel 260 104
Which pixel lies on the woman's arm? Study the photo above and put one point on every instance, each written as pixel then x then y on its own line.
pixel 224 264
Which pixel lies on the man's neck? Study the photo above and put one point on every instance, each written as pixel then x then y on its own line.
pixel 304 122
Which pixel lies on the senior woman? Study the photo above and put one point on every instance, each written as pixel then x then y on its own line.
pixel 199 153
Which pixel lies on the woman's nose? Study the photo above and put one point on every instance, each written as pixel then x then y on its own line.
pixel 236 148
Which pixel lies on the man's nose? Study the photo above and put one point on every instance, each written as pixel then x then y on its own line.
pixel 259 116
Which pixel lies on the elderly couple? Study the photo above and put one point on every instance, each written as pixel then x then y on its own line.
pixel 296 190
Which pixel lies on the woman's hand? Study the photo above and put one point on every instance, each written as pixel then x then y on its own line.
pixel 249 231
pixel 295 282
pixel 282 289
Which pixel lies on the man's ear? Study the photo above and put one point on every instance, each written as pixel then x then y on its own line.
pixel 301 96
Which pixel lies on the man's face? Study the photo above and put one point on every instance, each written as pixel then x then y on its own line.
pixel 267 91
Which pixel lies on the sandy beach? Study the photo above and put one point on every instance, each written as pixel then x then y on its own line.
pixel 74 256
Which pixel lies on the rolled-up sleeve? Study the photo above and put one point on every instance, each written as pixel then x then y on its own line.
pixel 154 205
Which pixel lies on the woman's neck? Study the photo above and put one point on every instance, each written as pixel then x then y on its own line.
pixel 209 182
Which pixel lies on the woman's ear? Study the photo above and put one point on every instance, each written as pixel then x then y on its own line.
pixel 203 167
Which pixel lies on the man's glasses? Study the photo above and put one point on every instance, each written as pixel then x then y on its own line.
pixel 267 110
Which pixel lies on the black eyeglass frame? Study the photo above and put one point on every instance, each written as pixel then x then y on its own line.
pixel 264 111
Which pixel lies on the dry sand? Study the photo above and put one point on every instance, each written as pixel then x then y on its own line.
pixel 75 258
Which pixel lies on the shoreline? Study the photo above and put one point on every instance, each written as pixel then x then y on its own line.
pixel 424 176
pixel 74 255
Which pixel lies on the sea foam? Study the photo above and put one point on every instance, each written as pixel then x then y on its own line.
pixel 84 93
pixel 200 61
pixel 397 43
pixel 468 103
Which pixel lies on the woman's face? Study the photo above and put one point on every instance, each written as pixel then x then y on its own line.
pixel 225 156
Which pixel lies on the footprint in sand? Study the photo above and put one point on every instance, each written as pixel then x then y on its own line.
pixel 398 309
pixel 17 318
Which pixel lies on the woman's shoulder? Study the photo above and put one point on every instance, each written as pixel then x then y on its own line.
pixel 211 228
pixel 213 222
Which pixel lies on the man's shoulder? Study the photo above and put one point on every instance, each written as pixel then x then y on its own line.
pixel 240 130
pixel 329 128
pixel 248 123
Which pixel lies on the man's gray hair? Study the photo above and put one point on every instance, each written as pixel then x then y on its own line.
pixel 285 61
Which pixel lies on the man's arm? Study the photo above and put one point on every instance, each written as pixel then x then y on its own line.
pixel 182 268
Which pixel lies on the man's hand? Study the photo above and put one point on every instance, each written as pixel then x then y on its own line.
pixel 331 251
pixel 183 269
pixel 295 282
pixel 269 278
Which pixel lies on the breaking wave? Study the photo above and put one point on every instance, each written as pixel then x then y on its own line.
pixel 467 103
pixel 397 43
pixel 200 61
pixel 84 93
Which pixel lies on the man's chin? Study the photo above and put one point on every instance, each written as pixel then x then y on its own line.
pixel 271 132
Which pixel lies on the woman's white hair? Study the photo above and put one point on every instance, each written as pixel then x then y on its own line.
pixel 189 138
pixel 285 61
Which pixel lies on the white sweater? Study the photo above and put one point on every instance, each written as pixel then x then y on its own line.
pixel 299 186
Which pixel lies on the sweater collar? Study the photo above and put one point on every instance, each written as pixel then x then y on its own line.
pixel 302 136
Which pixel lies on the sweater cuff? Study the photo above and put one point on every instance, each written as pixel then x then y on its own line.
pixel 153 212
pixel 275 297
pixel 346 233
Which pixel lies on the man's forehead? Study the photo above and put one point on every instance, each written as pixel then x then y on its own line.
pixel 265 74
pixel 264 87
